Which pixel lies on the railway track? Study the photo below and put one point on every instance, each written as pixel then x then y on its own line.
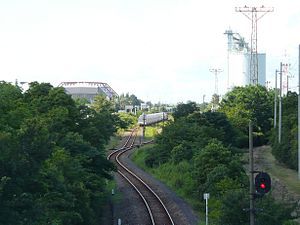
pixel 158 213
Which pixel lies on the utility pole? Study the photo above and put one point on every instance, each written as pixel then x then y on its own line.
pixel 285 73
pixel 144 127
pixel 280 104
pixel 299 118
pixel 229 34
pixel 252 220
pixel 251 13
pixel 216 72
pixel 275 100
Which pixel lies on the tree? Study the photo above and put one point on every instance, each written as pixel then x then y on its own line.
pixel 125 120
pixel 183 109
pixel 53 167
pixel 254 103
pixel 181 152
pixel 102 104
pixel 12 108
pixel 286 151
pixel 128 100
pixel 232 212
pixel 213 155
pixel 224 131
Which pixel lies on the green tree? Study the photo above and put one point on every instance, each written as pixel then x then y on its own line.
pixel 126 99
pixel 125 120
pixel 12 108
pixel 287 151
pixel 232 208
pixel 53 168
pixel 213 155
pixel 181 152
pixel 102 104
pixel 254 103
pixel 184 109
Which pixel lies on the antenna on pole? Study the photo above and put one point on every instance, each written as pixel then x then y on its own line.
pixel 252 14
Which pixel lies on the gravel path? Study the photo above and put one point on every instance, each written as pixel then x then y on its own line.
pixel 131 211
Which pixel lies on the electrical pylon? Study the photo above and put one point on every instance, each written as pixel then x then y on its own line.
pixel 216 72
pixel 252 14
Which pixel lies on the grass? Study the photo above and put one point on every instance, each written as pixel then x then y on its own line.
pixel 117 196
pixel 287 176
pixel 113 142
pixel 151 132
pixel 139 156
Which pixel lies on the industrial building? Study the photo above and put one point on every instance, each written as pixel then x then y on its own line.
pixel 239 58
pixel 88 90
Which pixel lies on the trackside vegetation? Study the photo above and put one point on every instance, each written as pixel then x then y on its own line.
pixel 201 152
pixel 53 168
pixel 287 151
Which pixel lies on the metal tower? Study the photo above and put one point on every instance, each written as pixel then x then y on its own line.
pixel 251 13
pixel 216 72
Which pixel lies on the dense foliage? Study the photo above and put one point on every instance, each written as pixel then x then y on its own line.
pixel 183 109
pixel 254 103
pixel 197 153
pixel 287 151
pixel 52 164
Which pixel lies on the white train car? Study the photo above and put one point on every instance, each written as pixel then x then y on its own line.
pixel 152 118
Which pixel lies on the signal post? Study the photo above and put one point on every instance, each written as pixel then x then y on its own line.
pixel 262 180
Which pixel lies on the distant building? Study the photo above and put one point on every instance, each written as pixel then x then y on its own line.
pixel 239 58
pixel 129 109
pixel 239 69
pixel 88 90
pixel 144 106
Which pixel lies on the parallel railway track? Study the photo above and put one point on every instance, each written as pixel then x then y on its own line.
pixel 158 213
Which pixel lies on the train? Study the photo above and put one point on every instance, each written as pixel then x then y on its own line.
pixel 152 118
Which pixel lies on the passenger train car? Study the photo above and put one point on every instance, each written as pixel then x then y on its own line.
pixel 152 118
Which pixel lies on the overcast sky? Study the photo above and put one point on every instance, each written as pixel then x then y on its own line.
pixel 159 50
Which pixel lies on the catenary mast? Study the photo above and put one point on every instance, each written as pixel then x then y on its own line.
pixel 252 14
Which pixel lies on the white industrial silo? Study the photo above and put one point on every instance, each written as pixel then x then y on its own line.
pixel 236 71
pixel 261 58
pixel 239 62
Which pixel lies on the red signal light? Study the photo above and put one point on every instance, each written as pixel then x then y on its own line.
pixel 263 186
pixel 262 183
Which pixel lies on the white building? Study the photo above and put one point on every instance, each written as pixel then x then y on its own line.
pixel 239 58
pixel 88 90
pixel 239 69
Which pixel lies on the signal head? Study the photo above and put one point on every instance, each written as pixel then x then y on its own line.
pixel 262 183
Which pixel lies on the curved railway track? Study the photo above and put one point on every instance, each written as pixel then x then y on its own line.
pixel 158 213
